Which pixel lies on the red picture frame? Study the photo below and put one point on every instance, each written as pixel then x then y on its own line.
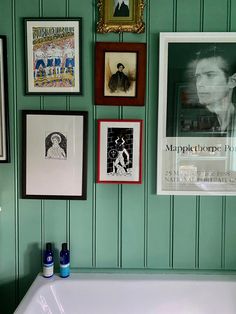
pixel 119 151
pixel 113 87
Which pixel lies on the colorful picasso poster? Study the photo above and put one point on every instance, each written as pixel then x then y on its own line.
pixel 53 53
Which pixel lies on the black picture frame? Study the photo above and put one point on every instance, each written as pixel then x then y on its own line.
pixel 54 154
pixel 4 114
pixel 53 53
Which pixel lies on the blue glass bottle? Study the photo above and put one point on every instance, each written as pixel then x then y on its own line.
pixel 64 261
pixel 48 261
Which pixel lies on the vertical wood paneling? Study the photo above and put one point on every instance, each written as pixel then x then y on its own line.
pixel 158 233
pixel 54 210
pixel 230 234
pixel 118 226
pixel 107 226
pixel 29 243
pixel 30 212
pixel 82 213
pixel 8 245
pixel 230 213
pixel 186 21
pixel 133 227
pixel 215 15
pixel 210 233
pixel 231 14
pixel 108 252
pixel 184 222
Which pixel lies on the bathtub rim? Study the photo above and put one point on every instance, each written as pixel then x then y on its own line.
pixel 39 281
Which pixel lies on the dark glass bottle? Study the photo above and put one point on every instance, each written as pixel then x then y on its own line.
pixel 48 261
pixel 64 261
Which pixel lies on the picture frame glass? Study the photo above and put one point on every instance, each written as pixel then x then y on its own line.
pixel 196 124
pixel 53 49
pixel 4 127
pixel 119 151
pixel 54 155
pixel 122 10
pixel 120 16
pixel 120 74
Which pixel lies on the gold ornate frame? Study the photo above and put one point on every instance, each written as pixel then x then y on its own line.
pixel 132 23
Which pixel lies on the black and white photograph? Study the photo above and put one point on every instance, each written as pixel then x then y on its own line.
pixel 54 154
pixel 4 127
pixel 207 78
pixel 120 74
pixel 119 151
pixel 197 114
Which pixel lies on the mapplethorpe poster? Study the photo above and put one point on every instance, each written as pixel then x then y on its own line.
pixel 197 114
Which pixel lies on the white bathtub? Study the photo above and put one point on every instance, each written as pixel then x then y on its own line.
pixel 131 294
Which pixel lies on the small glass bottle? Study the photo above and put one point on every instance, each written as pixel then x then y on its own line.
pixel 48 261
pixel 64 261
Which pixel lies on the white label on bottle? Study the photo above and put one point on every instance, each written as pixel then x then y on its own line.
pixel 48 271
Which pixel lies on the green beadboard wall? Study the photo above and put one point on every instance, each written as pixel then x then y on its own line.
pixel 125 227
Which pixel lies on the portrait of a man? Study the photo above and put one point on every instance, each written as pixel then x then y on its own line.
pixel 121 8
pixel 208 100
pixel 120 74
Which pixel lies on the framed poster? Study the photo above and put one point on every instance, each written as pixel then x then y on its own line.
pixel 120 151
pixel 120 74
pixel 53 55
pixel 197 114
pixel 4 127
pixel 54 154
pixel 120 16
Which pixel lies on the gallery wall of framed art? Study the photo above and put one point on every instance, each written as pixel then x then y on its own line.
pixel 119 226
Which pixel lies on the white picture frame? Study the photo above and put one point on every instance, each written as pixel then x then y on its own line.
pixel 196 151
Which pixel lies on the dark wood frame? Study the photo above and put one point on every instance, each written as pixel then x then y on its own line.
pixel 83 180
pixel 4 110
pixel 55 90
pixel 138 163
pixel 139 98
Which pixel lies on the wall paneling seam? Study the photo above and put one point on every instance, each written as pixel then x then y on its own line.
pixel 15 152
pixel 94 141
pixel 145 136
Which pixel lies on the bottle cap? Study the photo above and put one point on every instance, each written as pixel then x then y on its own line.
pixel 48 246
pixel 64 246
